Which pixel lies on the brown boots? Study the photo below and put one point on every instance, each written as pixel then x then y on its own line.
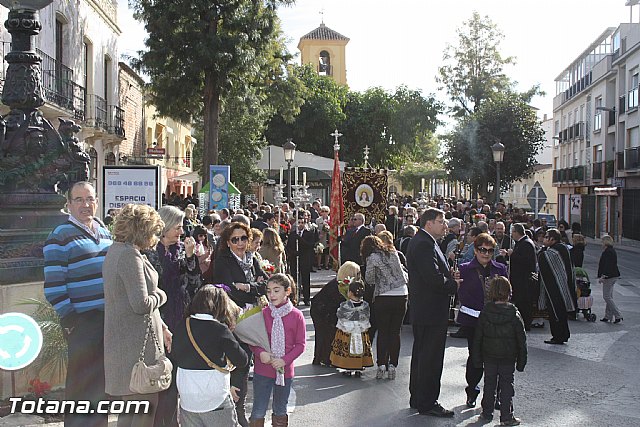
pixel 276 421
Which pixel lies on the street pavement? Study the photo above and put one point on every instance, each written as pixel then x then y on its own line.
pixel 592 381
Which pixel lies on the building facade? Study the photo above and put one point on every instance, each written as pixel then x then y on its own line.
pixel 169 144
pixel 78 45
pixel 324 49
pixel 597 128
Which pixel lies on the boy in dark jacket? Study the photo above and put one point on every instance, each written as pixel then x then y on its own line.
pixel 501 345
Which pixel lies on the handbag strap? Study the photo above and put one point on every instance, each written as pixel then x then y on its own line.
pixel 208 361
pixel 149 332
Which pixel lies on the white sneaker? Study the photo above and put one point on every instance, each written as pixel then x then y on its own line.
pixel 392 372
pixel 380 373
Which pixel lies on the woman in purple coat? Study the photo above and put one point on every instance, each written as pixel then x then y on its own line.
pixel 475 276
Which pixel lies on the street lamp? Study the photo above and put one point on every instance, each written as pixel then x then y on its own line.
pixel 289 149
pixel 498 156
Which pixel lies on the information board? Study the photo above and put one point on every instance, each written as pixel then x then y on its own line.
pixel 139 185
pixel 219 186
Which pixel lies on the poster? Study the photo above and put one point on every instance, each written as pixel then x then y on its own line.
pixel 576 204
pixel 219 186
pixel 121 185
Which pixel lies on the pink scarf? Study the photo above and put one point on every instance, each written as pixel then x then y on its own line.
pixel 277 335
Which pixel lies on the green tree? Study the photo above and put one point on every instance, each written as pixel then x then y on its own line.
pixel 473 69
pixel 198 50
pixel 322 111
pixel 504 117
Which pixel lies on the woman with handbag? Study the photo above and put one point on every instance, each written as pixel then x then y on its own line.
pixel 205 351
pixel 133 329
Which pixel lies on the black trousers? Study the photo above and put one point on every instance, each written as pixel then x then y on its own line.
pixel 304 281
pixel 526 311
pixel 472 374
pixel 498 374
pixel 558 322
pixel 389 312
pixel 427 360
pixel 167 410
pixel 85 369
pixel 325 332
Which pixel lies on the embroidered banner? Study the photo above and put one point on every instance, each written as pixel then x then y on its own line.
pixel 365 191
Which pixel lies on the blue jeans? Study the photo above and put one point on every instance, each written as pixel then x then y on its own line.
pixel 262 387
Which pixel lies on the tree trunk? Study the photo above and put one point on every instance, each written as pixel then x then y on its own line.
pixel 211 125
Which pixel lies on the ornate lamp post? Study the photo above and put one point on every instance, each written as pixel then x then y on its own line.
pixel 37 162
pixel 289 149
pixel 498 156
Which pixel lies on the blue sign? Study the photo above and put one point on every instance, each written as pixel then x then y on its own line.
pixel 219 186
pixel 20 341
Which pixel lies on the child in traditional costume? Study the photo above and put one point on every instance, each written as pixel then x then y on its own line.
pixel 351 349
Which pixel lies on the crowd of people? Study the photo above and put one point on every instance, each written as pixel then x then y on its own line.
pixel 173 288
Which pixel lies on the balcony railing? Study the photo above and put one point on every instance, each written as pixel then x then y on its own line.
pixel 620 160
pixel 116 120
pixel 574 174
pixel 596 171
pixel 631 160
pixel 96 111
pixel 59 87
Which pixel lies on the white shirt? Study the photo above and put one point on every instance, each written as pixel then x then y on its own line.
pixel 202 390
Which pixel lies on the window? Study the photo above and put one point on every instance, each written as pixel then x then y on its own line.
pixel 632 99
pixel 597 118
pixel 597 153
pixel 615 42
pixel 107 78
pixel 324 64
pixel 634 138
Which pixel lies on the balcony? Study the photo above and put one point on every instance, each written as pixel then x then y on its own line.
pixel 568 175
pixel 596 171
pixel 96 113
pixel 116 120
pixel 631 160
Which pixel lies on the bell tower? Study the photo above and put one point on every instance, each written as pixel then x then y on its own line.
pixel 324 49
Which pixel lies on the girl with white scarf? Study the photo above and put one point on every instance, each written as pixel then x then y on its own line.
pixel 274 370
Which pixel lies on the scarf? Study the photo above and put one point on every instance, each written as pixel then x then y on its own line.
pixel 246 264
pixel 277 335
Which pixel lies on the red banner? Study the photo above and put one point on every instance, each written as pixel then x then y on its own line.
pixel 336 216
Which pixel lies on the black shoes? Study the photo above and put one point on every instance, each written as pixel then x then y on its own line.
pixel 553 341
pixel 604 319
pixel 460 333
pixel 438 411
pixel 618 320
pixel 471 397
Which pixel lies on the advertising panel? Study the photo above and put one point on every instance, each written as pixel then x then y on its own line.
pixel 130 184
pixel 219 186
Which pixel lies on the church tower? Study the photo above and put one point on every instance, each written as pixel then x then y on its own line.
pixel 324 49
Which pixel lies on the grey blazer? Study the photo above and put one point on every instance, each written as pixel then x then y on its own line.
pixel 130 291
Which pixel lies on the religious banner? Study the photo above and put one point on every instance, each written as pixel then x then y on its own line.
pixel 337 212
pixel 365 191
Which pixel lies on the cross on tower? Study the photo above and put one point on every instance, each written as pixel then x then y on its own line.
pixel 336 135
pixel 322 15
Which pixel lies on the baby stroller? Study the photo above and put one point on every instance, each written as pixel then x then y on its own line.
pixel 585 300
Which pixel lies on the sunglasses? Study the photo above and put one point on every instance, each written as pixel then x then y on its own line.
pixel 485 251
pixel 236 239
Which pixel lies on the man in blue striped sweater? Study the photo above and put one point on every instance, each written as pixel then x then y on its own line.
pixel 73 257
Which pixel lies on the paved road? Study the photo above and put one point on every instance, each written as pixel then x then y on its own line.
pixel 592 381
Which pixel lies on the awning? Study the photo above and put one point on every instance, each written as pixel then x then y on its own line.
pixel 232 189
pixel 191 176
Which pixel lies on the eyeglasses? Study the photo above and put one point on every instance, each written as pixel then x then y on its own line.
pixel 82 201
pixel 237 239
pixel 485 251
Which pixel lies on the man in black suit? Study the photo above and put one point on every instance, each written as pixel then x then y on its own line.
pixel 350 248
pixel 522 269
pixel 300 252
pixel 431 285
